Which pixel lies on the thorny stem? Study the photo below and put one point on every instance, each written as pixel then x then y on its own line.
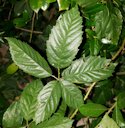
pixel 27 30
pixel 32 26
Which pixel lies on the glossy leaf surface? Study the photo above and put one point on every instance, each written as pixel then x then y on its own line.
pixel 71 94
pixel 48 100
pixel 28 59
pixel 65 38
pixel 28 100
pixel 12 117
pixel 55 122
pixel 92 70
pixel 92 109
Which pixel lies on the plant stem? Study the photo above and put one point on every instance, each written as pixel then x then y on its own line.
pixel 90 89
pixel 120 73
pixel 32 26
pixel 119 51
pixel 27 30
pixel 113 106
pixel 55 77
pixel 85 98
pixel 27 124
pixel 58 73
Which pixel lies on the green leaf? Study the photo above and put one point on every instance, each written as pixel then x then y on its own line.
pixel 107 122
pixel 62 109
pixel 65 38
pixel 108 25
pixel 72 96
pixel 36 5
pixel 28 101
pixel 55 122
pixel 117 116
pixel 92 70
pixel 63 4
pixel 121 100
pixel 92 109
pixel 28 59
pixel 12 117
pixel 48 100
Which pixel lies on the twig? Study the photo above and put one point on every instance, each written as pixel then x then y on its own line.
pixel 73 115
pixel 119 51
pixel 120 73
pixel 27 30
pixel 32 26
pixel 10 12
pixel 111 108
pixel 90 89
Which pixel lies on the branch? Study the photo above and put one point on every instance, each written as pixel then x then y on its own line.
pixel 27 30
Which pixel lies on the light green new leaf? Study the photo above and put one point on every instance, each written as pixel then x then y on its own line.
pixel 107 122
pixel 117 116
pixel 12 118
pixel 48 100
pixel 28 100
pixel 65 38
pixel 71 95
pixel 92 109
pixel 108 25
pixel 54 122
pixel 27 59
pixel 37 4
pixel 63 4
pixel 92 70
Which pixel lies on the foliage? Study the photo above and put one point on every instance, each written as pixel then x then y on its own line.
pixel 69 75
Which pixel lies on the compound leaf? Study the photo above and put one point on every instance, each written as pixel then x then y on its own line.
pixel 48 100
pixel 65 38
pixel 28 59
pixel 28 100
pixel 92 70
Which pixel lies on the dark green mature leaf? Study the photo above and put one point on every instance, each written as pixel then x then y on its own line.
pixel 92 109
pixel 48 100
pixel 12 118
pixel 65 39
pixel 71 94
pixel 92 70
pixel 108 25
pixel 107 122
pixel 117 116
pixel 121 100
pixel 28 101
pixel 28 59
pixel 55 122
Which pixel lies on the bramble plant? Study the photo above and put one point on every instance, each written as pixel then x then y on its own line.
pixel 80 83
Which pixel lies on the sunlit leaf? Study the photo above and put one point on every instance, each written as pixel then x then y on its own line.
pixel 65 38
pixel 48 100
pixel 91 70
pixel 12 117
pixel 71 94
pixel 28 59
pixel 28 100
